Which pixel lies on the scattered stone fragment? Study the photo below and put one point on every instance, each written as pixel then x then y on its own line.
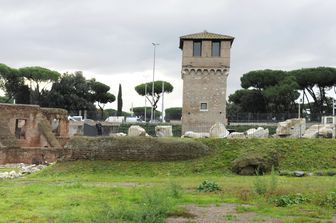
pixel 291 128
pixel 23 169
pixel 260 132
pixel 164 131
pixel 218 130
pixel 299 173
pixel 119 134
pixel 191 134
pixel 136 130
pixel 324 131
pixel 237 135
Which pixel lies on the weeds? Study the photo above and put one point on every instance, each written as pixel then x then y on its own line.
pixel 287 200
pixel 273 181
pixel 208 186
pixel 261 186
pixel 329 200
pixel 153 207
pixel 175 190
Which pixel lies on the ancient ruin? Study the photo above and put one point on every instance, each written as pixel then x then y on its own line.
pixel 31 134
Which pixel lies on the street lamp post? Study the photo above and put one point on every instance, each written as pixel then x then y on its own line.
pixel 299 112
pixel 162 113
pixel 145 103
pixel 152 111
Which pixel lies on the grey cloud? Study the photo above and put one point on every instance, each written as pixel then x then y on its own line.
pixel 111 37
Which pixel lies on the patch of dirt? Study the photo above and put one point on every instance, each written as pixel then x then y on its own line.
pixel 219 214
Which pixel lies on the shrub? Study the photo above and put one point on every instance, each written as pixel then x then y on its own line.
pixel 260 185
pixel 287 200
pixel 252 163
pixel 153 207
pixel 175 190
pixel 208 186
pixel 329 200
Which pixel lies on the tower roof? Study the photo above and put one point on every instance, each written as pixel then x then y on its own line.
pixel 204 36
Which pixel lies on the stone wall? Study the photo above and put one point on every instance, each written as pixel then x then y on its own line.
pixel 134 148
pixel 203 86
pixel 109 148
pixel 31 155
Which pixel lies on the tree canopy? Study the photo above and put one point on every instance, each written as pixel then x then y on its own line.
pixel 261 79
pixel 71 92
pixel 37 76
pixel 140 112
pixel 275 91
pixel 141 90
pixel 316 82
pixel 99 93
pixel 11 82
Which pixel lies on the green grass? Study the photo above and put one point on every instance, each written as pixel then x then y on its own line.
pixel 6 169
pixel 115 191
pixel 294 154
pixel 87 197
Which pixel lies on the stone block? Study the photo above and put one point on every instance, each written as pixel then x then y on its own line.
pixel 218 130
pixel 236 135
pixel 136 130
pixel 291 128
pixel 324 131
pixel 260 132
pixel 164 131
pixel 191 134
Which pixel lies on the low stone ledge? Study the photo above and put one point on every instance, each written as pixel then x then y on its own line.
pixel 31 155
pixel 134 148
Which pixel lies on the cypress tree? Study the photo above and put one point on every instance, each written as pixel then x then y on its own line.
pixel 120 102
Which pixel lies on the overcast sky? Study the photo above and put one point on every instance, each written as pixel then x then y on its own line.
pixel 112 40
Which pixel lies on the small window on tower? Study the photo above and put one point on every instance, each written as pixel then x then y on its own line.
pixel 197 49
pixel 204 107
pixel 215 52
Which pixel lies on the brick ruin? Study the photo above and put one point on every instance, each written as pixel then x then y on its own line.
pixel 31 134
pixel 34 135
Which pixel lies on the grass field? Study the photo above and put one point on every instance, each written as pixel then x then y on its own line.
pixel 112 191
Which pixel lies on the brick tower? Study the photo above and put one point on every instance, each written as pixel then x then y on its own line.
pixel 205 68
